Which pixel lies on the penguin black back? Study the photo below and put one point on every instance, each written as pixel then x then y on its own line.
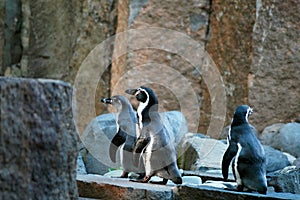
pixel 154 143
pixel 249 163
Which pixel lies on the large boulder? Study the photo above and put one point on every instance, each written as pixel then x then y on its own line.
pixel 287 139
pixel 200 153
pixel 99 133
pixel 269 133
pixel 39 141
pixel 276 160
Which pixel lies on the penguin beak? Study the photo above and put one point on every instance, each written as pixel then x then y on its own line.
pixel 106 100
pixel 132 91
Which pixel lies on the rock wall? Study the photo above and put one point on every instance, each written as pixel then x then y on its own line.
pixel 254 44
pixel 2 16
pixel 230 46
pixel 275 70
pixel 38 149
pixel 150 66
pixel 50 39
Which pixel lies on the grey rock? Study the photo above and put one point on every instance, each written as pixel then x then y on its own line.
pixel 99 133
pixel 285 180
pixel 270 133
pixel 297 163
pixel 289 139
pixel 2 18
pixel 38 150
pixel 284 137
pixel 80 166
pixel 276 160
pixel 198 153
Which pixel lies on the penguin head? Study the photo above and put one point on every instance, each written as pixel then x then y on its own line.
pixel 118 102
pixel 242 113
pixel 144 94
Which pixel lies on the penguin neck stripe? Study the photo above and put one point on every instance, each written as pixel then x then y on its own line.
pixel 141 107
pixel 249 111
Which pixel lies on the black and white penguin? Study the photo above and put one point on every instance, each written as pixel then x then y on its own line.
pixel 154 144
pixel 246 153
pixel 126 135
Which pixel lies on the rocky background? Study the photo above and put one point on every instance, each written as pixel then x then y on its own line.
pixel 254 44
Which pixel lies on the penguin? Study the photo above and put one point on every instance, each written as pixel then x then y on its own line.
pixel 246 153
pixel 153 145
pixel 126 135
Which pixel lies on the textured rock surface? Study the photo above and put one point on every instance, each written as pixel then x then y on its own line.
pixel 285 139
pixel 97 136
pixel 274 88
pixel 39 141
pixel 269 133
pixel 253 43
pixel 201 153
pixel 188 17
pixel 99 187
pixel 285 180
pixel 276 160
pixel 52 39
pixel 230 45
pixel 2 16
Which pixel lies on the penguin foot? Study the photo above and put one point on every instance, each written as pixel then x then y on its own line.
pixel 163 182
pixel 144 180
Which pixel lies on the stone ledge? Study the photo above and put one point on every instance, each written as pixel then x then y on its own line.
pixel 100 187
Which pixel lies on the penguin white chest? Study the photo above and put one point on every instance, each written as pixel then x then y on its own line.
pixel 237 174
pixel 147 156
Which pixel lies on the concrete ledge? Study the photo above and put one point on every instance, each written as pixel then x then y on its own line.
pixel 100 187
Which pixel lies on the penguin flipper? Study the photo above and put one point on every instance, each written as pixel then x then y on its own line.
pixel 231 151
pixel 116 142
pixel 139 146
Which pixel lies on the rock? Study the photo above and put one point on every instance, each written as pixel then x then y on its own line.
pixel 97 136
pixel 270 133
pixel 190 18
pixel 96 186
pixel 276 160
pixel 2 18
pixel 285 180
pixel 229 23
pixel 80 166
pixel 287 139
pixel 275 62
pixel 201 153
pixel 290 158
pixel 39 140
pixel 297 163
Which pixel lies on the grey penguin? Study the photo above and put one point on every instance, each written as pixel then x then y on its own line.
pixel 154 144
pixel 246 153
pixel 126 135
